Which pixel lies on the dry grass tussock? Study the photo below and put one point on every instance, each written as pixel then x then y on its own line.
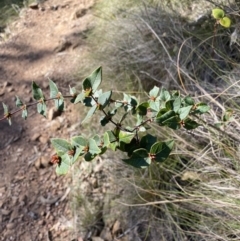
pixel 195 194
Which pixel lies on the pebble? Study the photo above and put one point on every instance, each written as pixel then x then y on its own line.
pixel 55 125
pixel 35 136
pixel 10 226
pixel 94 182
pixel 43 139
pixel 53 113
pixel 37 163
pixel 85 187
pixel 79 13
pixel 96 239
pixel 45 161
pixel 5 212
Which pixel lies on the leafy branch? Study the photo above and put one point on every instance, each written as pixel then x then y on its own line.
pixel 162 107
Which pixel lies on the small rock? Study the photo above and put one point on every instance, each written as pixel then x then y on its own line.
pixel 53 113
pixel 106 234
pixel 85 187
pixel 79 13
pixel 45 84
pixel 42 162
pixel 6 83
pixel 10 89
pixel 96 239
pixel 63 45
pixel 33 215
pixel 23 198
pixel 55 125
pixel 54 8
pixel 45 162
pixel 14 214
pixel 33 6
pixel 43 139
pixel 5 211
pixel 2 191
pixel 35 136
pixel 37 163
pixel 10 226
pixel 116 230
pixel 94 182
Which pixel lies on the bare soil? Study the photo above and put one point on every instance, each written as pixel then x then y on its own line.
pixel 47 41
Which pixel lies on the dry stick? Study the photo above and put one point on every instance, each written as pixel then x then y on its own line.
pixel 31 104
pixel 226 89
pixel 161 202
pixel 178 67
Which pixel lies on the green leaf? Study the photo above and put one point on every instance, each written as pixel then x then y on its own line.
pixel 37 92
pixel 169 104
pixel 53 89
pixel 106 140
pixel 42 109
pixel 80 97
pixel 190 124
pixel 104 99
pixel 184 112
pixel 92 82
pixel 163 115
pixel 139 159
pixel 73 93
pixel 89 101
pixel 227 115
pixel 62 169
pixel 93 147
pixel 105 119
pixel 125 136
pixel 154 105
pixel 201 108
pixel 188 100
pixel 61 146
pixel 164 95
pixel 64 165
pixel 130 147
pixel 113 140
pixel 7 113
pixel 154 92
pixel 89 157
pixel 130 102
pixel 161 150
pixel 24 114
pixel 97 139
pixel 225 22
pixel 147 141
pixel 142 108
pixel 118 105
pixel 78 152
pixel 59 103
pixel 218 13
pixel 177 104
pixel 19 103
pixel 173 122
pixel 90 113
pixel 5 109
pixel 79 141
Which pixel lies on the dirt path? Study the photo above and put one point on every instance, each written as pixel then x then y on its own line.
pixel 46 42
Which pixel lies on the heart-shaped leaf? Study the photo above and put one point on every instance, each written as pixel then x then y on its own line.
pixel 140 159
pixel 225 22
pixel 218 13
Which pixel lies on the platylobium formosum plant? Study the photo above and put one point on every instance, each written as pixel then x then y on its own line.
pixel 162 107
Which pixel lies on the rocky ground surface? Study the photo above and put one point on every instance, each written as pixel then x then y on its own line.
pixel 47 41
